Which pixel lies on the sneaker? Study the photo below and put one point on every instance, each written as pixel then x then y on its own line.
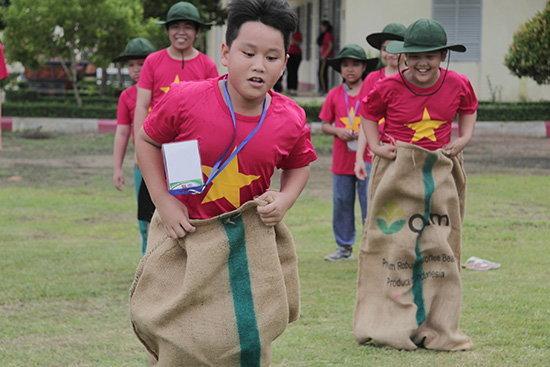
pixel 341 254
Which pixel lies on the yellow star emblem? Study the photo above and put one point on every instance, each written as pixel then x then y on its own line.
pixel 166 89
pixel 425 128
pixel 356 120
pixel 228 183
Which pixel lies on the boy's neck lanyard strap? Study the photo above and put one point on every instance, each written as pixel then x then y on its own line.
pixel 219 166
pixel 350 117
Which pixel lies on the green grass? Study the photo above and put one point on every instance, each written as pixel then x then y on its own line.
pixel 69 247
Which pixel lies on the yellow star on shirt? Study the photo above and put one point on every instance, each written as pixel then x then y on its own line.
pixel 166 89
pixel 228 183
pixel 356 121
pixel 425 128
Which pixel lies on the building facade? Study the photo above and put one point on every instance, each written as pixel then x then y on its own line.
pixel 486 27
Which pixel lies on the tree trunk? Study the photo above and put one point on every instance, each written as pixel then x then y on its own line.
pixel 103 84
pixel 72 73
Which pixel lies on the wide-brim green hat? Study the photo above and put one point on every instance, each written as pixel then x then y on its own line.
pixel 391 32
pixel 137 48
pixel 424 35
pixel 183 11
pixel 352 51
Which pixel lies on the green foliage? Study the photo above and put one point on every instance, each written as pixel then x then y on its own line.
pixel 525 111
pixel 60 109
pixel 529 54
pixel 69 31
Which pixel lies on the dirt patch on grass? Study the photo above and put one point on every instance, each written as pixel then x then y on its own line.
pixel 484 154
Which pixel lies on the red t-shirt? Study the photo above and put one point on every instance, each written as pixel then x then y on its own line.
pixel 197 110
pixel 127 107
pixel 371 80
pixel 3 69
pixel 334 109
pixel 160 70
pixel 328 38
pixel 423 121
pixel 294 49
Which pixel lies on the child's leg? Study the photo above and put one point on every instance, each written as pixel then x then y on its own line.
pixel 362 192
pixel 141 223
pixel 343 212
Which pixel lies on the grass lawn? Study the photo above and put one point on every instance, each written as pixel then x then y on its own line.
pixel 69 247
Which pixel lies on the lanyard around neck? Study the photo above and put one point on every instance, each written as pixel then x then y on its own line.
pixel 350 117
pixel 219 166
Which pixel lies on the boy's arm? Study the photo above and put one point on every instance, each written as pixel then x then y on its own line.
pixel 359 168
pixel 342 133
pixel 0 121
pixel 293 181
pixel 172 212
pixel 370 128
pixel 143 101
pixel 466 124
pixel 122 135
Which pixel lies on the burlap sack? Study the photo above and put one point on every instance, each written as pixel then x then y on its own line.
pixel 218 296
pixel 409 289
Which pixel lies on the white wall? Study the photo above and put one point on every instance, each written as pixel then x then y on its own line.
pixel 501 18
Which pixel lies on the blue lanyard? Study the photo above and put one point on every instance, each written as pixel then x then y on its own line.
pixel 350 118
pixel 219 166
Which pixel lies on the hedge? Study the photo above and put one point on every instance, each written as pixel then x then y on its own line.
pixel 105 108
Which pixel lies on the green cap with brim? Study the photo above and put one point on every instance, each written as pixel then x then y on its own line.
pixel 391 32
pixel 424 35
pixel 137 48
pixel 183 11
pixel 352 51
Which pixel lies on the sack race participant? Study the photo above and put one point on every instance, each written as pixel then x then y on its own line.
pixel 220 295
pixel 409 288
pixel 223 286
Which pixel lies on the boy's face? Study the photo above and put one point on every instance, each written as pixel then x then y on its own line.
pixel 390 59
pixel 182 34
pixel 134 68
pixel 255 61
pixel 352 70
pixel 424 67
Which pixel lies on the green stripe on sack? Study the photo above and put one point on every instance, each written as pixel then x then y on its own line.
pixel 429 187
pixel 239 278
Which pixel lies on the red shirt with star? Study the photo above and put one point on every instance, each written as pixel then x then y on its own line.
pixel 3 69
pixel 197 110
pixel 126 107
pixel 160 70
pixel 425 121
pixel 334 110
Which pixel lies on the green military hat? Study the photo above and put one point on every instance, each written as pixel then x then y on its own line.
pixel 183 11
pixel 424 35
pixel 391 32
pixel 352 51
pixel 137 48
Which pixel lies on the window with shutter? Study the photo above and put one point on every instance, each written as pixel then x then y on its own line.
pixel 462 22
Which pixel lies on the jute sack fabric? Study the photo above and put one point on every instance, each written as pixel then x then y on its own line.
pixel 218 296
pixel 409 288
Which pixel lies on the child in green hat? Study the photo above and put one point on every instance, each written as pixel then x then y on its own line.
pixel 134 55
pixel 393 62
pixel 409 289
pixel 179 62
pixel 340 118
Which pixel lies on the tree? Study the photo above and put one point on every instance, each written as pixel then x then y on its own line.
pixel 70 31
pixel 529 54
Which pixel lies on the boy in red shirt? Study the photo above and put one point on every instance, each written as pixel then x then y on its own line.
pixel 179 62
pixel 3 74
pixel 213 111
pixel 409 289
pixel 134 55
pixel 394 63
pixel 341 119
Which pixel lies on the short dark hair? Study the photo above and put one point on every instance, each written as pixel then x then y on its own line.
pixel 273 13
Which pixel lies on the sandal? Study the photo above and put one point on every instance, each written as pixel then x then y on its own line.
pixel 474 263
